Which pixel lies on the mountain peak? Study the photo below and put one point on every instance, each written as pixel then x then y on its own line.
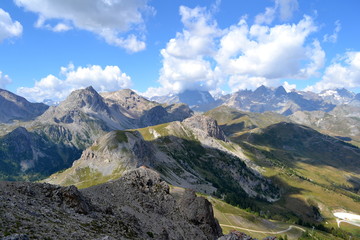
pixel 87 97
pixel 280 91
pixel 90 89
pixel 123 95
pixel 345 93
pixel 357 96
pixel 337 96
pixel 195 97
pixel 14 107
pixel 262 90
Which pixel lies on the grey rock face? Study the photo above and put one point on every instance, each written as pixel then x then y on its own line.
pixel 16 237
pixel 198 210
pixel 14 107
pixel 206 124
pixel 137 206
pixel 343 121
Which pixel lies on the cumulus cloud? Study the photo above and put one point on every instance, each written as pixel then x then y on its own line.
pixel 110 78
pixel 267 17
pixel 345 71
pixel 203 56
pixel 186 63
pixel 261 55
pixel 4 80
pixel 120 23
pixel 333 37
pixel 8 27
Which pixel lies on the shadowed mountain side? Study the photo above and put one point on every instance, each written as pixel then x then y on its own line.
pixel 14 107
pixel 293 206
pixel 29 156
pixel 297 143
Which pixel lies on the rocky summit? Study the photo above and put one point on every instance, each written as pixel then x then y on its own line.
pixel 136 206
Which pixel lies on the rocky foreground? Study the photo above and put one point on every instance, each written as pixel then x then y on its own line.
pixel 136 206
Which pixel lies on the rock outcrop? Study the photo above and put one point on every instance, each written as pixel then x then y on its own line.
pixel 199 211
pixel 137 206
pixel 207 125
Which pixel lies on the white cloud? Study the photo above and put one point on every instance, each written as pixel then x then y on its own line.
pixel 287 8
pixel 259 54
pixel 289 87
pixel 245 56
pixel 58 88
pixel 333 37
pixel 156 91
pixel 284 9
pixel 4 80
pixel 316 59
pixel 115 21
pixel 239 82
pixel 267 17
pixel 8 27
pixel 186 63
pixel 343 72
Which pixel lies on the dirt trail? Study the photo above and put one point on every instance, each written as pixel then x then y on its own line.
pixel 271 232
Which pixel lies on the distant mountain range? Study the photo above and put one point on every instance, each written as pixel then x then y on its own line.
pixel 197 100
pixel 266 99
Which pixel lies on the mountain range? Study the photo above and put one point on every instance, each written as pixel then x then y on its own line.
pixel 289 155
pixel 265 99
pixel 62 132
pixel 193 154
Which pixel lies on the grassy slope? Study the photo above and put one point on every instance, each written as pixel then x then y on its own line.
pixel 305 184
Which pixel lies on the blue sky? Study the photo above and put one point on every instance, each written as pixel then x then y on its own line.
pixel 49 48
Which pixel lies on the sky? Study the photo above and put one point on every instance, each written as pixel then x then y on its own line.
pixel 157 47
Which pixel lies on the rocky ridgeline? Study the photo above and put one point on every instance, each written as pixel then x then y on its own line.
pixel 137 206
pixel 13 107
